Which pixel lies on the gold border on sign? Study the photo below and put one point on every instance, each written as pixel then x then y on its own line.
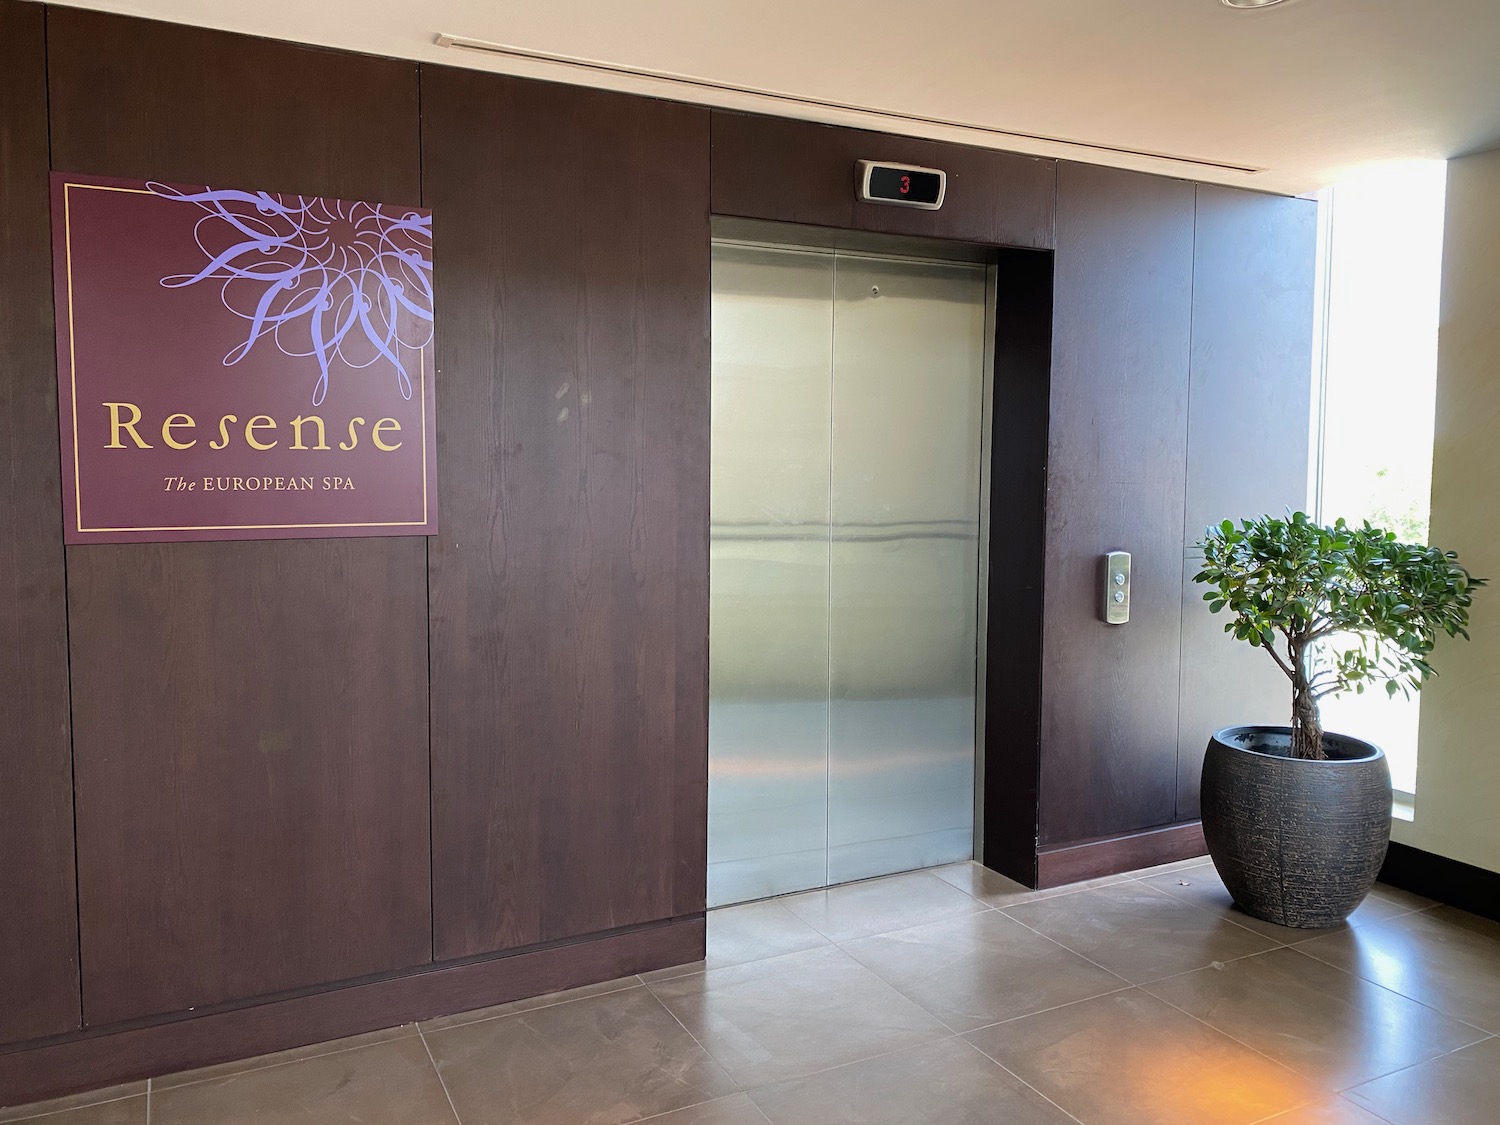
pixel 73 405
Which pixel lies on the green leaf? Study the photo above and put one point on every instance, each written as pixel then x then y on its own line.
pixel 1378 605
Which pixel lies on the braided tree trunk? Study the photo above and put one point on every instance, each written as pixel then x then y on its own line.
pixel 1307 727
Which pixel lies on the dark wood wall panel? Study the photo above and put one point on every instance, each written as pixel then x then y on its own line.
pixel 801 172
pixel 1254 259
pixel 1018 519
pixel 1116 467
pixel 38 910
pixel 250 718
pixel 1072 863
pixel 570 577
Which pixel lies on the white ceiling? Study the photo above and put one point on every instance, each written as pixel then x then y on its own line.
pixel 1306 91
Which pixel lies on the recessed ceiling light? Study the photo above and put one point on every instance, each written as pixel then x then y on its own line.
pixel 1251 3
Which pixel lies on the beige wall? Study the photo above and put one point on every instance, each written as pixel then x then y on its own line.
pixel 1458 768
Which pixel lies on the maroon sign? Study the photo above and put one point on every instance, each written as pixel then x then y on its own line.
pixel 240 364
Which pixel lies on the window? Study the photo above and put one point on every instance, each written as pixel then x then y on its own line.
pixel 1381 254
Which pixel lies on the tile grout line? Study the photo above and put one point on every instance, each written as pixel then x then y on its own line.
pixel 750 1090
pixel 1223 917
pixel 1284 943
pixel 78 1107
pixel 1042 894
pixel 1125 986
pixel 1023 1082
pixel 1404 912
pixel 1410 1066
pixel 1167 869
pixel 982 906
pixel 1337 1092
pixel 651 992
pixel 1271 1120
pixel 892 988
pixel 1217 961
pixel 1484 1032
pixel 1213 914
pixel 1070 949
pixel 707 968
pixel 242 1070
pixel 435 1070
pixel 697 1105
pixel 563 999
pixel 1358 976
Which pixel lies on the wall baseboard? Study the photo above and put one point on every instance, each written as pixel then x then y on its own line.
pixel 1110 855
pixel 106 1056
pixel 1463 885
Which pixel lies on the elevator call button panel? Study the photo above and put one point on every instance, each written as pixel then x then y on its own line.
pixel 1116 587
pixel 904 185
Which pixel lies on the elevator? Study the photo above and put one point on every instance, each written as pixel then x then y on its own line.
pixel 849 390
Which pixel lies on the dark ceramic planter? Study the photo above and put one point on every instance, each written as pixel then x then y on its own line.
pixel 1297 842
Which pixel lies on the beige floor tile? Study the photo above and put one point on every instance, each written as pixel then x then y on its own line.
pixel 1131 1059
pixel 1328 1025
pixel 1329 1111
pixel 121 1111
pixel 258 1062
pixel 737 1109
pixel 978 882
pixel 1458 1089
pixel 1172 868
pixel 1202 887
pixel 755 931
pixel 389 1083
pixel 1485 927
pixel 1442 958
pixel 979 969
pixel 72 1101
pixel 994 889
pixel 1138 932
pixel 878 906
pixel 789 1016
pixel 604 988
pixel 602 1060
pixel 1391 901
pixel 683 970
pixel 944 1083
pixel 752 931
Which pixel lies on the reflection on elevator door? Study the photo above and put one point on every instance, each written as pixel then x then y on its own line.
pixel 847 399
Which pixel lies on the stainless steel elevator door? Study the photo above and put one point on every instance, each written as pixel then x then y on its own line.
pixel 847 399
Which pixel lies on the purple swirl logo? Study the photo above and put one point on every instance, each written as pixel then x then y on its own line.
pixel 323 278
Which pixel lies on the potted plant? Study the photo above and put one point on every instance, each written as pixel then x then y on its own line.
pixel 1298 820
